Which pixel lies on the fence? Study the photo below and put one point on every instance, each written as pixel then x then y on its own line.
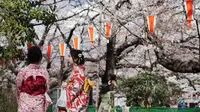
pixel 92 109
pixel 164 110
pixel 56 92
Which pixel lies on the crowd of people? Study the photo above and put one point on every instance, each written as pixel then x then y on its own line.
pixel 188 105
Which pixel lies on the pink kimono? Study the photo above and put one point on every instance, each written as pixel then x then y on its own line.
pixel 77 99
pixel 32 84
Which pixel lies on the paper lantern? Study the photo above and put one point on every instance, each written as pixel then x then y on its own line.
pixel 189 11
pixel 29 45
pixel 108 29
pixel 76 42
pixel 62 49
pixel 91 34
pixel 151 20
pixel 49 50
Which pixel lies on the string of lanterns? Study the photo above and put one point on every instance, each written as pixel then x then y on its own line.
pixel 151 21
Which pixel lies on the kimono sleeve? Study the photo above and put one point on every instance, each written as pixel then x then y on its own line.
pixel 19 79
pixel 78 83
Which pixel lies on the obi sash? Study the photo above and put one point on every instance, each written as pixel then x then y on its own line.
pixel 33 86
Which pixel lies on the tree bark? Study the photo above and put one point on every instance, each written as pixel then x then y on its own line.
pixel 110 60
pixel 176 65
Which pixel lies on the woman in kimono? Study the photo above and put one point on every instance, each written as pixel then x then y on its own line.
pixel 77 95
pixel 32 83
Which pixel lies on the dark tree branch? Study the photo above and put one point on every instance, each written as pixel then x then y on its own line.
pixel 121 3
pixel 72 15
pixel 190 47
pixel 10 80
pixel 188 39
pixel 13 70
pixel 49 4
pixel 91 19
pixel 47 29
pixel 67 40
pixel 125 45
pixel 177 65
pixel 123 54
pixel 50 40
pixel 95 60
pixel 67 71
pixel 62 19
pixel 53 85
pixel 191 84
pixel 130 65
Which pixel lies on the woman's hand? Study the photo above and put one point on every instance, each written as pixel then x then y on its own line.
pixel 64 84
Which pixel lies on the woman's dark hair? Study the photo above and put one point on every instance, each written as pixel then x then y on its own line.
pixel 105 88
pixel 34 55
pixel 113 77
pixel 77 56
pixel 64 77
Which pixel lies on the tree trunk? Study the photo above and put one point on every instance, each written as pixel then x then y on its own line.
pixel 60 74
pixel 110 53
pixel 110 60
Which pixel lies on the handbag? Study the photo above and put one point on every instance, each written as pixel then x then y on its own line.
pixel 48 101
pixel 87 86
pixel 61 103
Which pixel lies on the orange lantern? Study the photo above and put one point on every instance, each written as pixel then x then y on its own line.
pixel 29 45
pixel 189 11
pixel 76 42
pixel 91 34
pixel 62 49
pixel 49 50
pixel 108 29
pixel 151 23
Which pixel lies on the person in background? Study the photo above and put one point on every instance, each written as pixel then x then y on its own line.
pixel 167 106
pixel 32 83
pixel 196 105
pixel 77 85
pixel 107 95
pixel 185 105
pixel 63 109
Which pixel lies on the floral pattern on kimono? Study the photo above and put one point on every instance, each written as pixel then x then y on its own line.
pixel 32 83
pixel 77 99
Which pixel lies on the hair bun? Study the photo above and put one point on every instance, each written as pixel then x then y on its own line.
pixel 80 55
pixel 77 57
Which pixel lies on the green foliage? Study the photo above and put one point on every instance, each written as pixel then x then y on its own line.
pixel 147 86
pixel 8 101
pixel 16 22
